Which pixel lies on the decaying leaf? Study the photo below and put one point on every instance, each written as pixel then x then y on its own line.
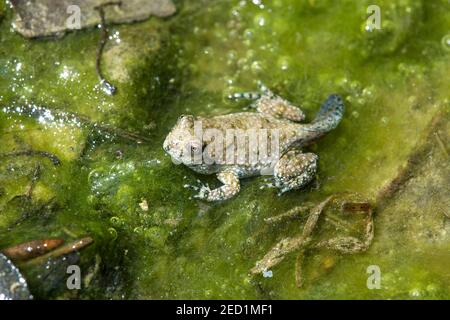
pixel 41 18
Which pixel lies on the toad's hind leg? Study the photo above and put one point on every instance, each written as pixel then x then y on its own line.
pixel 295 170
pixel 231 187
pixel 277 107
pixel 270 104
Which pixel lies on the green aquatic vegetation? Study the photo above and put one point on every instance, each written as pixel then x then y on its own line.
pixel 151 239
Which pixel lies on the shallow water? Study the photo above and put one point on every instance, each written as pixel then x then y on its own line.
pixel 394 81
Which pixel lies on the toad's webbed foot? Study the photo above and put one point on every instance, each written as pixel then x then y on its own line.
pixel 202 189
pixel 262 91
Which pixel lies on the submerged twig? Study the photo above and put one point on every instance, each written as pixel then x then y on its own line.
pixel 414 161
pixel 121 133
pixel 303 242
pixel 53 158
pixel 106 128
pixel 108 88
pixel 291 214
pixel 48 206
pixel 31 249
pixel 34 179
pixel 288 245
pixel 298 269
pixel 68 248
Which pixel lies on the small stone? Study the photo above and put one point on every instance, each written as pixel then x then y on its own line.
pixel 144 205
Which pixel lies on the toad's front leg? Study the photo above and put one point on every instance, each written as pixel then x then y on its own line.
pixel 295 170
pixel 231 187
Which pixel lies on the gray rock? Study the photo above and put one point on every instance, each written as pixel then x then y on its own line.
pixel 41 18
pixel 12 284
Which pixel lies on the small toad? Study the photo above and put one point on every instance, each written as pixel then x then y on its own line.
pixel 246 144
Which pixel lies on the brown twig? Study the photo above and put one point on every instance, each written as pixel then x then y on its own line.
pixel 299 281
pixel 68 248
pixel 413 162
pixel 108 88
pixel 347 245
pixel 53 158
pixel 289 215
pixel 288 245
pixel 31 249
pixel 34 179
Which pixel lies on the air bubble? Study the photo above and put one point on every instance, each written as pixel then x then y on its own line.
pixel 415 293
pixel 284 63
pixel 446 42
pixel 256 67
pixel 260 20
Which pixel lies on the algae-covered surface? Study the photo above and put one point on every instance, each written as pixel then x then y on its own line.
pixel 151 239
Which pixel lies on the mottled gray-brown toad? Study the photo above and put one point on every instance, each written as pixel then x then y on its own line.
pixel 246 144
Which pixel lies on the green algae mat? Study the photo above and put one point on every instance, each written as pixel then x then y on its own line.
pixel 85 182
